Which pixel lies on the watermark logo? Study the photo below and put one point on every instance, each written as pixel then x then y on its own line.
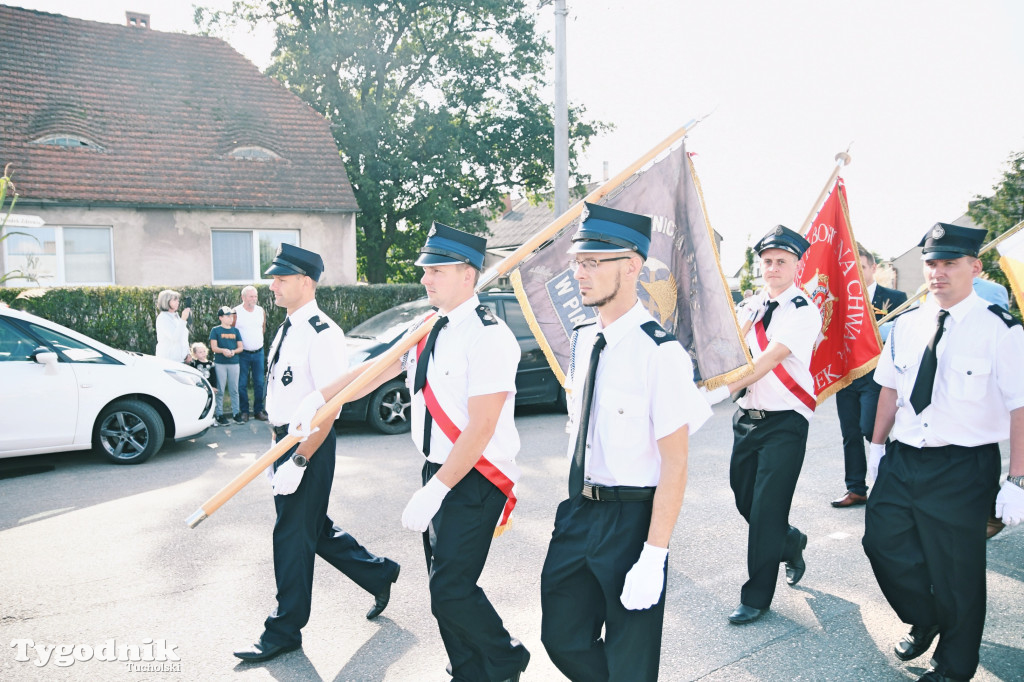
pixel 149 656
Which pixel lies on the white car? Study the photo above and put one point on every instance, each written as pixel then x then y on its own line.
pixel 61 390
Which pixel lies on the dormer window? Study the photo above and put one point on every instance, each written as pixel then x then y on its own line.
pixel 253 154
pixel 65 140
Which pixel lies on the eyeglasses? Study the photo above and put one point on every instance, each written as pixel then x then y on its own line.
pixel 590 264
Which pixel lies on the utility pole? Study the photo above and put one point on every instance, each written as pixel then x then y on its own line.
pixel 561 114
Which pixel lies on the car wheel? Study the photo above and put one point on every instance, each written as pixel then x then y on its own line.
pixel 128 432
pixel 389 411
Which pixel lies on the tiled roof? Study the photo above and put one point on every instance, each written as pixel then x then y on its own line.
pixel 166 109
pixel 526 219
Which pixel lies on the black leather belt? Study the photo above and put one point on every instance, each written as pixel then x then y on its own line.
pixel 758 415
pixel 258 350
pixel 617 493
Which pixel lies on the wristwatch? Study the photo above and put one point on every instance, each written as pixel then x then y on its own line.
pixel 1016 480
pixel 299 461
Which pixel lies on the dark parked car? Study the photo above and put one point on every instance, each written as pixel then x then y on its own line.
pixel 387 408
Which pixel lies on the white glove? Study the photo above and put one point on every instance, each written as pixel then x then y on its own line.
pixel 423 505
pixel 303 416
pixel 1010 504
pixel 716 396
pixel 876 451
pixel 646 579
pixel 287 478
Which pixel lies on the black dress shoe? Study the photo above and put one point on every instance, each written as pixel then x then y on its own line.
pixel 261 651
pixel 526 662
pixel 382 598
pixel 745 614
pixel 796 566
pixel 915 642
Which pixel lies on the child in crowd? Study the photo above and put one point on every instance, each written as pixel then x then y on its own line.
pixel 226 344
pixel 199 357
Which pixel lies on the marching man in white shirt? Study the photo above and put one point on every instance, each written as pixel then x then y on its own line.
pixel 462 378
pixel 952 381
pixel 632 408
pixel 770 427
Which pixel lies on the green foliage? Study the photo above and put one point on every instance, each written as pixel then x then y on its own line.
pixel 747 271
pixel 438 109
pixel 125 317
pixel 1000 211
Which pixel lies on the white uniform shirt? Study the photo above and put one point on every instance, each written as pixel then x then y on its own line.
pixel 979 379
pixel 470 358
pixel 250 326
pixel 644 391
pixel 796 324
pixel 313 355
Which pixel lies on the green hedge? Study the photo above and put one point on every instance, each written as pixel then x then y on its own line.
pixel 125 317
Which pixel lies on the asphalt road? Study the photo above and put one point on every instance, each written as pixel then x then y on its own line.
pixel 92 552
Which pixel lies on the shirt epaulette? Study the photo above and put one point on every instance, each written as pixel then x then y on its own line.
pixel 1004 315
pixel 317 324
pixel 799 301
pixel 585 323
pixel 485 315
pixel 657 332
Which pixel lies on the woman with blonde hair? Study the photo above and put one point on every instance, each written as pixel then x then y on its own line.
pixel 171 328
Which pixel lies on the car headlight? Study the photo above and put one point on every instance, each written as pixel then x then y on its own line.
pixel 357 357
pixel 187 378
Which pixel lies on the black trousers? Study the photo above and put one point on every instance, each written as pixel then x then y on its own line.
pixel 856 405
pixel 456 545
pixel 924 532
pixel 767 455
pixel 302 531
pixel 593 546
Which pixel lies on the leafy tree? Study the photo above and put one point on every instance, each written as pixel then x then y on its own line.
pixel 436 106
pixel 747 271
pixel 1000 211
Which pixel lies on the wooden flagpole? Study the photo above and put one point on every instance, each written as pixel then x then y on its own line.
pixel 325 415
pixel 911 300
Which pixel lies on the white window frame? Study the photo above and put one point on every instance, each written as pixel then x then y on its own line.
pixel 255 241
pixel 61 278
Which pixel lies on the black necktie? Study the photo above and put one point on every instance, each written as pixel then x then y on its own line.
pixel 579 455
pixel 767 319
pixel 428 350
pixel 420 379
pixel 277 349
pixel 921 396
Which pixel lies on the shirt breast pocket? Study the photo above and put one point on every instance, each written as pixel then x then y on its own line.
pixel 969 377
pixel 906 366
pixel 625 420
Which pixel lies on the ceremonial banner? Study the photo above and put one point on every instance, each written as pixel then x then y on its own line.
pixel 682 284
pixel 829 273
pixel 1011 260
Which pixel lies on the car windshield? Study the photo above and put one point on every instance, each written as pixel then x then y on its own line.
pixel 386 326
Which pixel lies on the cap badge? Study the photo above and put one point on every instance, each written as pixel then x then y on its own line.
pixel 938 232
pixel 778 231
pixel 433 231
pixel 584 214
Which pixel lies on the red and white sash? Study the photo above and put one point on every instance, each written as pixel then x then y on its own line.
pixel 452 432
pixel 787 380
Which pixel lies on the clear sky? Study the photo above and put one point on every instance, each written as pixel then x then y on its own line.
pixel 928 91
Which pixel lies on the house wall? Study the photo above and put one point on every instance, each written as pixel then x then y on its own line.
pixel 156 247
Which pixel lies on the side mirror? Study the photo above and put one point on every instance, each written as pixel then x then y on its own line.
pixel 44 356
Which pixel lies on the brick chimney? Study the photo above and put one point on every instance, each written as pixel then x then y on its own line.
pixel 508 203
pixel 137 19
